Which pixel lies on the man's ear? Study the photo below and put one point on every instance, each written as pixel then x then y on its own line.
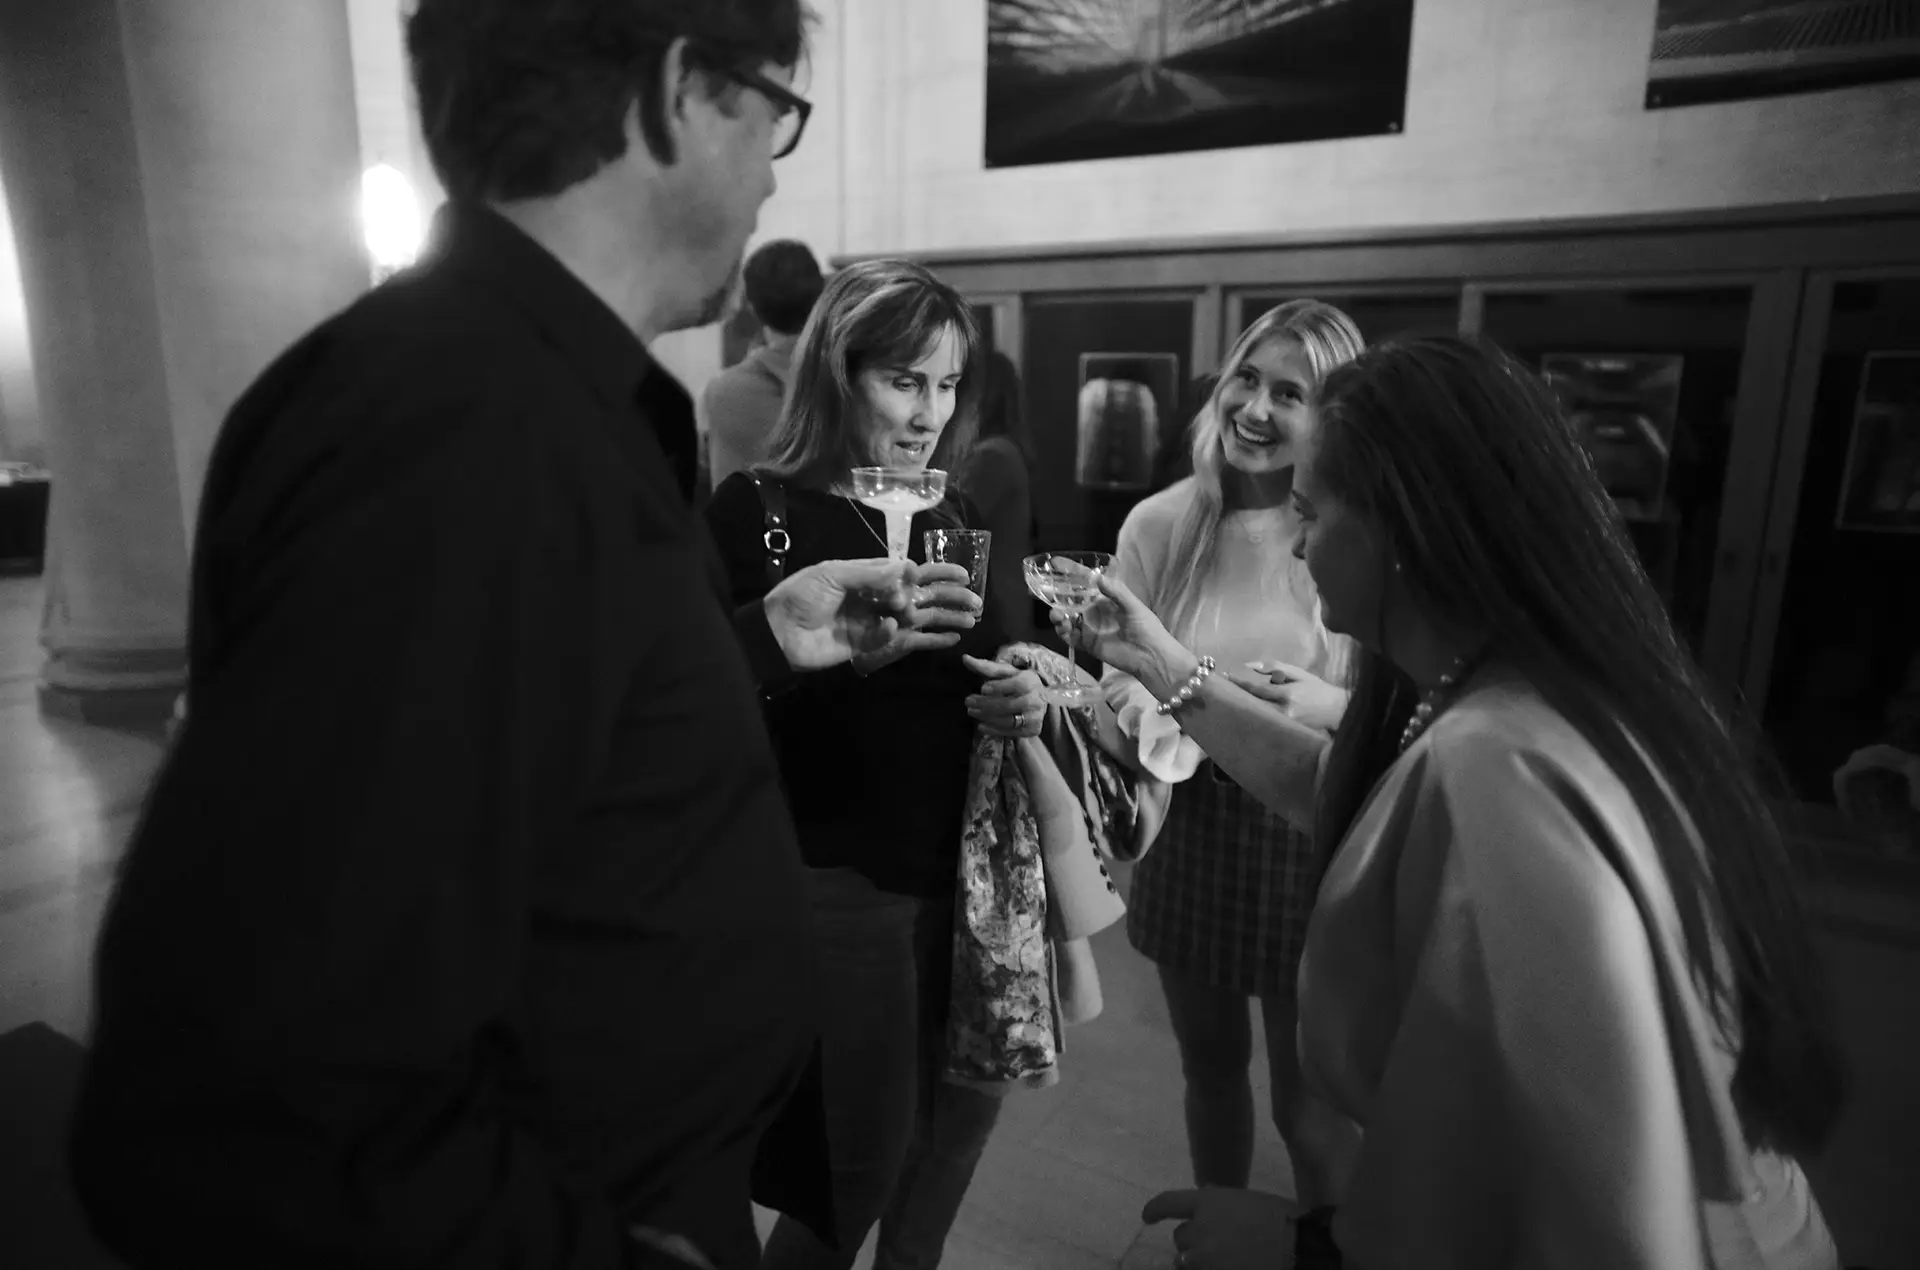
pixel 671 101
pixel 686 85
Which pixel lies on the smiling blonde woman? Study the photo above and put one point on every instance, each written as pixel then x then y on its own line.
pixel 1220 903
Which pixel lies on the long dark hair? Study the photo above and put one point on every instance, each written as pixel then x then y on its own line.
pixel 1463 460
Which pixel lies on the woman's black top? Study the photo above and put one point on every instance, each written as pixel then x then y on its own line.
pixel 875 767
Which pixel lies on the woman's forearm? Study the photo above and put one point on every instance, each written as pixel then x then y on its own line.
pixel 1268 754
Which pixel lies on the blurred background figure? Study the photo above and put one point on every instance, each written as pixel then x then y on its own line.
pixel 998 477
pixel 741 404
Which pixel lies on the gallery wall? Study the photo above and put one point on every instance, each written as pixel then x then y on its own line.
pixel 1516 109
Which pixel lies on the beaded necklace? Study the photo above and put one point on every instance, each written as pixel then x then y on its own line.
pixel 1435 698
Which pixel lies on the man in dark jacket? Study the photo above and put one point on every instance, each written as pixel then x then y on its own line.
pixel 464 925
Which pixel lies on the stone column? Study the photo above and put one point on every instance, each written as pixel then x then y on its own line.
pixel 184 180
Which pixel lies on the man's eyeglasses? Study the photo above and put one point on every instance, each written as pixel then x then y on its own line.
pixel 790 109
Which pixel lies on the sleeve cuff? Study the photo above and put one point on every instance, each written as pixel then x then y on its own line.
pixel 764 657
pixel 1165 752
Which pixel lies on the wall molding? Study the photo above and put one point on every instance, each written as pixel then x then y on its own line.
pixel 1821 212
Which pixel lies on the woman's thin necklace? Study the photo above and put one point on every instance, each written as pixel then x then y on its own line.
pixel 1437 698
pixel 854 505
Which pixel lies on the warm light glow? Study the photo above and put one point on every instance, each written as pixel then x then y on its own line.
pixel 391 215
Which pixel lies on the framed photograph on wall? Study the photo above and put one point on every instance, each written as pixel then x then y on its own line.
pixel 1069 80
pixel 1625 406
pixel 1123 399
pixel 1880 485
pixel 1728 50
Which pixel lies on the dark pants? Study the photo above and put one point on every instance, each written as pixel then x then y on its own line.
pixel 1215 1036
pixel 904 1141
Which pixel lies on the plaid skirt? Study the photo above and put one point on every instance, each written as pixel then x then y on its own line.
pixel 1224 893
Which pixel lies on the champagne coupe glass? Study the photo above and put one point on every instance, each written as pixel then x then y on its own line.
pixel 1068 581
pixel 897 493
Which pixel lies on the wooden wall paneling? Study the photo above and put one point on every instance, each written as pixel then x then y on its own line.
pixel 1663 245
pixel 1473 308
pixel 1870 216
pixel 1752 455
pixel 1211 336
pixel 1790 458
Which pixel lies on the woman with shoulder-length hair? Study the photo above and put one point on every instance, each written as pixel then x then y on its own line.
pixel 1220 902
pixel 1558 970
pixel 875 756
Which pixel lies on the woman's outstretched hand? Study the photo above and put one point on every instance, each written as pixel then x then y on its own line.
pixel 1121 631
pixel 1305 696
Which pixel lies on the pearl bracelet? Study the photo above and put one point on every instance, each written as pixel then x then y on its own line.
pixel 1187 689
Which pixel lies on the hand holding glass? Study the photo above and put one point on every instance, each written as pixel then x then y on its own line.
pixel 1069 581
pixel 897 493
pixel 968 548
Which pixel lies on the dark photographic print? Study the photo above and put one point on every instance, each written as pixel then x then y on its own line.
pixel 1123 398
pixel 1881 489
pixel 1724 50
pixel 1624 408
pixel 1099 79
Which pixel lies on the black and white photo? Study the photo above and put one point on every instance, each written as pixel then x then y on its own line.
pixel 1098 79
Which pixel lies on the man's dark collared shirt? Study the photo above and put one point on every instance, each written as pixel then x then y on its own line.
pixel 465 924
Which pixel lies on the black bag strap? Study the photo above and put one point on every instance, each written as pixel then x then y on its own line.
pixel 773 500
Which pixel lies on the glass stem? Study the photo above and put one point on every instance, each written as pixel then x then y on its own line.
pixel 899 532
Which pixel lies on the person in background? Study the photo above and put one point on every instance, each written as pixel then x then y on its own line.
pixel 998 477
pixel 875 757
pixel 1559 971
pixel 1220 902
pixel 781 281
pixel 413 957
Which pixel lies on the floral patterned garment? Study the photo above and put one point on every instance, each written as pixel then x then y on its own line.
pixel 1003 1026
pixel 1004 1023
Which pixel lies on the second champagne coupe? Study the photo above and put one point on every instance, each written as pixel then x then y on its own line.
pixel 1068 581
pixel 897 493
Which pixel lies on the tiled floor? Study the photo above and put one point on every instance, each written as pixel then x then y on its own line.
pixel 1063 1181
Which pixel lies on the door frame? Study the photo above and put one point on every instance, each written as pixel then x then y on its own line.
pixel 1772 307
pixel 1009 332
pixel 1789 467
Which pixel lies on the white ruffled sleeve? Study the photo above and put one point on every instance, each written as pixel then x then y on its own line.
pixel 1161 749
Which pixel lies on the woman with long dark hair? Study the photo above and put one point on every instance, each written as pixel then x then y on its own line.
pixel 1557 968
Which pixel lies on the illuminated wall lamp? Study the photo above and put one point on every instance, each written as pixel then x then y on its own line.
pixel 390 215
